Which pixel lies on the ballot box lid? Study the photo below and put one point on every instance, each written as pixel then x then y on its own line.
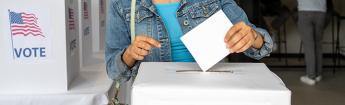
pixel 166 83
pixel 223 76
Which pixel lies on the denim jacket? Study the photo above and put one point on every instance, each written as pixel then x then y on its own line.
pixel 149 23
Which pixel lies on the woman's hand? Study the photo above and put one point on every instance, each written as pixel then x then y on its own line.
pixel 139 49
pixel 241 37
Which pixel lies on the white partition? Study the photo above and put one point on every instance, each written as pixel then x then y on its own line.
pixel 102 23
pixel 85 32
pixel 99 10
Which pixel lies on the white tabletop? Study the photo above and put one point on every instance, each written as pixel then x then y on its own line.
pixel 91 87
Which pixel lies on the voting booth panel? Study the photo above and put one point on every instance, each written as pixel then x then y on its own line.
pixel 39 45
pixel 102 22
pixel 99 10
pixel 85 32
pixel 224 84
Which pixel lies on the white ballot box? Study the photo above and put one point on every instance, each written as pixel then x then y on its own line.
pixel 224 84
pixel 39 45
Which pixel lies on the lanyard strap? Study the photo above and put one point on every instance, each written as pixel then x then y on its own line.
pixel 132 21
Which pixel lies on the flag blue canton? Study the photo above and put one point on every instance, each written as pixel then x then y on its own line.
pixel 16 18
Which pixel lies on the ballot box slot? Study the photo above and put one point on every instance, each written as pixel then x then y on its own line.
pixel 209 71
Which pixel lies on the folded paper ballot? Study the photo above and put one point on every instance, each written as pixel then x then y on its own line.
pixel 169 83
pixel 206 41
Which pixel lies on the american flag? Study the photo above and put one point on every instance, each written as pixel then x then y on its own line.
pixel 24 24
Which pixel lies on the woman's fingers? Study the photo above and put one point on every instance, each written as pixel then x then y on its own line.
pixel 141 52
pixel 137 56
pixel 233 30
pixel 241 43
pixel 139 49
pixel 137 53
pixel 142 46
pixel 239 38
pixel 244 48
pixel 149 40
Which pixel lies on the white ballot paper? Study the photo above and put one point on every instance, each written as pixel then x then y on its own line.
pixel 206 41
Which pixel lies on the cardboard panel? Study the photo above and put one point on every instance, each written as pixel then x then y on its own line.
pixel 85 32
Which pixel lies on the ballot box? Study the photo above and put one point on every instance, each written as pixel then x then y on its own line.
pixel 39 45
pixel 224 84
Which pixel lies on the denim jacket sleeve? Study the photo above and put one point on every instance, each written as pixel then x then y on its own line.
pixel 117 40
pixel 236 14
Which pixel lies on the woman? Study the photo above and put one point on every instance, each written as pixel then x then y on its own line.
pixel 311 23
pixel 159 26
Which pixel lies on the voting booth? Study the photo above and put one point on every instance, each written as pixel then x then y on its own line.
pixel 39 45
pixel 224 84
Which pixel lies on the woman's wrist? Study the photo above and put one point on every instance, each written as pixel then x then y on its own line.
pixel 128 60
pixel 258 40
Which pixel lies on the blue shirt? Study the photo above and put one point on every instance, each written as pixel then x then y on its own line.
pixel 179 52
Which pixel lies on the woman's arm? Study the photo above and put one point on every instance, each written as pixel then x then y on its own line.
pixel 258 40
pixel 116 40
pixel 243 35
pixel 120 53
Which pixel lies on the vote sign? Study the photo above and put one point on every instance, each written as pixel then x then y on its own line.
pixel 28 40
